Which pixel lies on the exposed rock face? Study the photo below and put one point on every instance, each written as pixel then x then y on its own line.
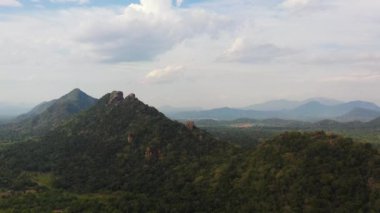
pixel 190 125
pixel 131 137
pixel 152 154
pixel 116 97
pixel 131 96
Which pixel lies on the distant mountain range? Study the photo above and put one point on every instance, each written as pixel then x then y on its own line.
pixel 278 105
pixel 310 110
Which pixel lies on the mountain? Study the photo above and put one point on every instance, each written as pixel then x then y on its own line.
pixel 225 113
pixel 122 155
pixel 123 144
pixel 275 105
pixel 374 124
pixel 322 100
pixel 40 108
pixel 48 115
pixel 310 111
pixel 280 105
pixel 359 114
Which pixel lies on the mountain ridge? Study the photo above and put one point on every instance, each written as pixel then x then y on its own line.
pixel 310 111
pixel 48 115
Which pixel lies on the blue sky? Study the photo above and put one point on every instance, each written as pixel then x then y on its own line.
pixel 194 53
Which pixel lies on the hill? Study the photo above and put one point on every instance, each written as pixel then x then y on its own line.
pixel 359 114
pixel 275 105
pixel 122 155
pixel 309 111
pixel 280 105
pixel 48 115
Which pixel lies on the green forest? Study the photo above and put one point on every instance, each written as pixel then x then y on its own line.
pixel 121 155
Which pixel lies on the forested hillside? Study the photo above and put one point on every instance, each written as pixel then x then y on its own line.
pixel 122 155
pixel 46 116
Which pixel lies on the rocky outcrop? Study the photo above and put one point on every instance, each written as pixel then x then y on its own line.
pixel 116 97
pixel 131 137
pixel 131 96
pixel 152 153
pixel 190 125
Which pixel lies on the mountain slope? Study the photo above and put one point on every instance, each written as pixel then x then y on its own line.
pixel 359 114
pixel 122 139
pixel 275 105
pixel 48 115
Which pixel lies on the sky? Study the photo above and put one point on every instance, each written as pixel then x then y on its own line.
pixel 188 53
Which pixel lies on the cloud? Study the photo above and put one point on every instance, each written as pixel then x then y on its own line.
pixel 292 4
pixel 143 31
pixel 242 50
pixel 168 74
pixel 354 77
pixel 10 3
pixel 179 2
pixel 71 1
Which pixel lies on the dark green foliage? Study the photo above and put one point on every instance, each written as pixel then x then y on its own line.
pixel 46 116
pixel 311 172
pixel 124 156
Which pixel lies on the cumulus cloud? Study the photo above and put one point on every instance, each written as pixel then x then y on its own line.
pixel 167 74
pixel 243 50
pixel 10 3
pixel 71 1
pixel 143 31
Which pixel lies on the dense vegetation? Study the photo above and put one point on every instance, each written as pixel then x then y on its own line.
pixel 124 156
pixel 248 132
pixel 45 116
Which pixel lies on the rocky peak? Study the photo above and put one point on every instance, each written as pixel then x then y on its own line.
pixel 116 97
pixel 131 96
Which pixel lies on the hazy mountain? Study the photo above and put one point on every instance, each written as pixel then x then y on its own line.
pixel 48 115
pixel 275 105
pixel 226 114
pixel 322 100
pixel 359 114
pixel 279 105
pixel 310 111
pixel 374 124
pixel 40 108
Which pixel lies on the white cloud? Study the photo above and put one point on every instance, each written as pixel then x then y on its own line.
pixel 41 51
pixel 291 4
pixel 71 1
pixel 164 75
pixel 179 2
pixel 143 31
pixel 243 50
pixel 10 3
